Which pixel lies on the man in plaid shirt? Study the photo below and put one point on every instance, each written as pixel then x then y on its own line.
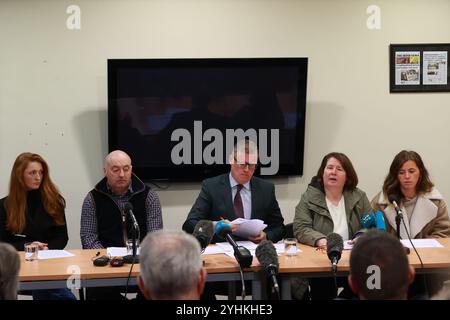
pixel 104 222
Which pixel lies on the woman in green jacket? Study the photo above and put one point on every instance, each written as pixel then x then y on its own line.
pixel 332 203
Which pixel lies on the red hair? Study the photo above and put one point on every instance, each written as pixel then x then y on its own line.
pixel 16 201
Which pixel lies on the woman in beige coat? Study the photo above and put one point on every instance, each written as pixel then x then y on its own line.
pixel 424 210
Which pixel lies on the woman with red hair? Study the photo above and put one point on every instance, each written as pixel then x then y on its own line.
pixel 33 211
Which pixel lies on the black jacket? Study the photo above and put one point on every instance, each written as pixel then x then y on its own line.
pixel 39 226
pixel 111 229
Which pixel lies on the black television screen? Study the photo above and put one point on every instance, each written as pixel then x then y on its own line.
pixel 178 118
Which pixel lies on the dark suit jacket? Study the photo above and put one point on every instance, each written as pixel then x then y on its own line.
pixel 214 202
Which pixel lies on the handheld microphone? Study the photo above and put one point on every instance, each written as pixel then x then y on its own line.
pixel 335 245
pixel 242 254
pixel 268 259
pixel 373 220
pixel 203 232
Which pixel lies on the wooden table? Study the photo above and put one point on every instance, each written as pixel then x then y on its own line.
pixel 78 271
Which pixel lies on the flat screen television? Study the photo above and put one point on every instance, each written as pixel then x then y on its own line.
pixel 177 118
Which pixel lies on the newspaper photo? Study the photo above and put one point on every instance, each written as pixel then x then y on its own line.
pixel 435 67
pixel 407 68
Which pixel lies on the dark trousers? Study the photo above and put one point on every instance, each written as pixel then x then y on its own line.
pixel 111 293
pixel 53 294
pixel 325 289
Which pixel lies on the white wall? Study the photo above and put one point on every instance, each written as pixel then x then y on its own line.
pixel 53 90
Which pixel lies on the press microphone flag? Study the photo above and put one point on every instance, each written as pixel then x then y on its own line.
pixel 373 220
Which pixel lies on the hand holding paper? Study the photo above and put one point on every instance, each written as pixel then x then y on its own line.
pixel 248 228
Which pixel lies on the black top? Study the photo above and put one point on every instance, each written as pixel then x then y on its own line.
pixel 39 226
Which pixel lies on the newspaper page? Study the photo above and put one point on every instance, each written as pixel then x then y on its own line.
pixel 407 67
pixel 435 67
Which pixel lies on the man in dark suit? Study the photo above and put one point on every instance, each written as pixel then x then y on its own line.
pixel 239 194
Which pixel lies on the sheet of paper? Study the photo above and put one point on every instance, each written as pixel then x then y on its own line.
pixel 53 254
pixel 213 250
pixel 119 251
pixel 248 228
pixel 422 243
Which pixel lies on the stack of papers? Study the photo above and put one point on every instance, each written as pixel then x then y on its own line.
pixel 248 228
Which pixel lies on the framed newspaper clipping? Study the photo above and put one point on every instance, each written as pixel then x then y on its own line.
pixel 419 67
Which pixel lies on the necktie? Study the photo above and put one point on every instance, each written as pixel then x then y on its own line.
pixel 237 204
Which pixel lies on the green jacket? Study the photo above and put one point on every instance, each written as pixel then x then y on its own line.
pixel 313 220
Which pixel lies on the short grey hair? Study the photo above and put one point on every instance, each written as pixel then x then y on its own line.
pixel 170 263
pixel 9 272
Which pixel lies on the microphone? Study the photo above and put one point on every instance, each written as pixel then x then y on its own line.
pixel 398 219
pixel 335 245
pixel 393 199
pixel 373 220
pixel 203 232
pixel 128 208
pixel 242 254
pixel 268 259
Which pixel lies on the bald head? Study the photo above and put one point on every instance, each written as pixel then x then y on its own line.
pixel 117 155
pixel 117 171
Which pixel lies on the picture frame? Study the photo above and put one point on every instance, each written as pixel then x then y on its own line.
pixel 419 67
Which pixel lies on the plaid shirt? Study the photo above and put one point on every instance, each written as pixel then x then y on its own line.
pixel 88 223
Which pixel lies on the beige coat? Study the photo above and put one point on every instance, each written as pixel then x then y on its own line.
pixel 429 220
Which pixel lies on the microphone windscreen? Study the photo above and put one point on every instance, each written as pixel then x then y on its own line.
pixel 204 232
pixel 267 254
pixel 128 206
pixel 367 220
pixel 267 257
pixel 392 198
pixel 380 224
pixel 335 243
pixel 222 228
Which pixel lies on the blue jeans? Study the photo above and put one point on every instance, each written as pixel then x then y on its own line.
pixel 53 294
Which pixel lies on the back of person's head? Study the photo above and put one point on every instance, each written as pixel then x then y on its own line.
pixel 171 266
pixel 16 201
pixel 9 272
pixel 391 185
pixel 351 177
pixel 379 267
